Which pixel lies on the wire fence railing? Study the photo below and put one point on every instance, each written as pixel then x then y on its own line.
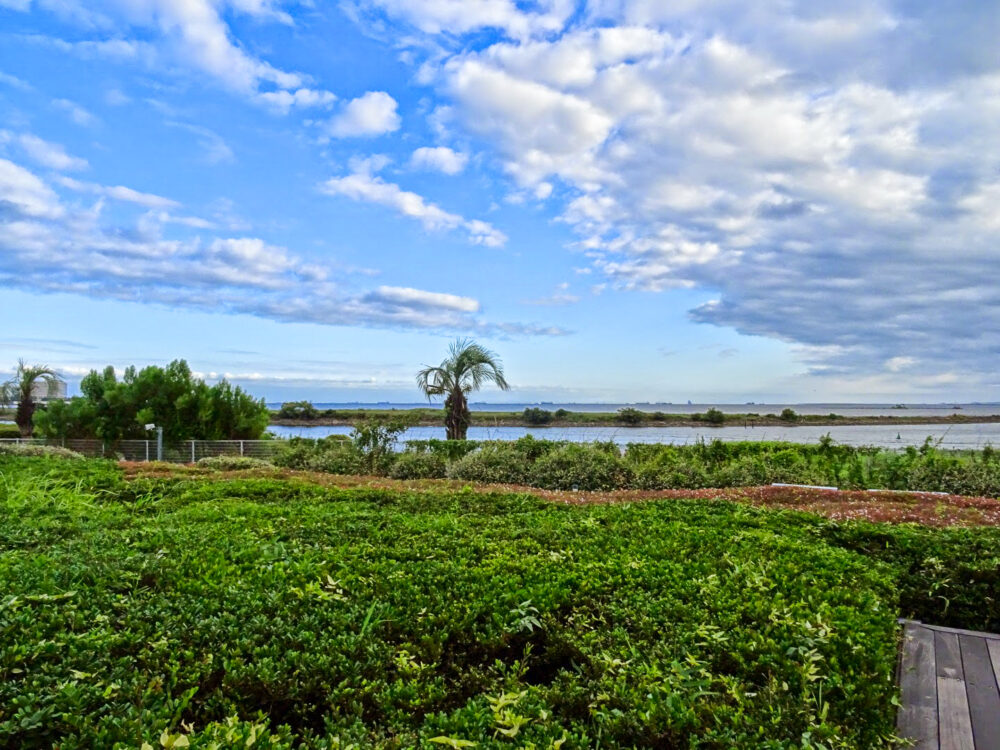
pixel 187 451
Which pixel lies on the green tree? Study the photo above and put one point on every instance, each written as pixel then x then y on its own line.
pixel 468 367
pixel 20 390
pixel 170 397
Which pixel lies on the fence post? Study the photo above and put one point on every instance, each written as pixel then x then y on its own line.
pixel 147 450
pixel 241 447
pixel 192 451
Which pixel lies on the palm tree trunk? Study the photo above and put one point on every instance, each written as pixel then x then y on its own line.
pixel 456 420
pixel 23 416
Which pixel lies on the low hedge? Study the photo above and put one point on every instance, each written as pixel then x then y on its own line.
pixel 202 611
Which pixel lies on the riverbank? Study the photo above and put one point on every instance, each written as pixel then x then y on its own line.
pixel 631 418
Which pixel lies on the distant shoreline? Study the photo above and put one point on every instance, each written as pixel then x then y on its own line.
pixel 426 417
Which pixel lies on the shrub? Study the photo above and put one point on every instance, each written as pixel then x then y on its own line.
pixel 536 416
pixel 449 450
pixel 9 431
pixel 375 440
pixel 584 467
pixel 233 463
pixel 29 449
pixel 303 410
pixel 712 416
pixel 561 413
pixel 499 463
pixel 412 465
pixel 335 454
pixel 789 415
pixel 628 415
pixel 278 614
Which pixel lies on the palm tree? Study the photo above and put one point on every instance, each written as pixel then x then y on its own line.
pixel 20 390
pixel 467 368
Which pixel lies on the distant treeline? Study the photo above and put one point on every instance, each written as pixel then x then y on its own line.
pixel 298 412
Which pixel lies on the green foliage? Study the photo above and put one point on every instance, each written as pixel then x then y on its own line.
pixel 335 454
pixel 283 614
pixel 19 391
pixel 449 450
pixel 27 449
pixel 536 416
pixel 413 465
pixel 712 416
pixel 170 397
pixel 584 467
pixel 9 431
pixel 233 463
pixel 789 415
pixel 303 410
pixel 375 441
pixel 561 413
pixel 630 416
pixel 502 463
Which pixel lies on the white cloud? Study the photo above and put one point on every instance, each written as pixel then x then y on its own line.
pixel 48 247
pixel 76 113
pixel 439 158
pixel 461 16
pixel 364 186
pixel 26 193
pixel 283 101
pixel 373 113
pixel 51 155
pixel 118 192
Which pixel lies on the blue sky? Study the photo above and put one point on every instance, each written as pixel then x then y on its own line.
pixel 626 199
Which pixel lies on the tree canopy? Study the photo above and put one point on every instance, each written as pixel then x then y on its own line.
pixel 170 397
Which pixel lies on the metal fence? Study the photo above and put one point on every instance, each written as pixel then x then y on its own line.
pixel 184 452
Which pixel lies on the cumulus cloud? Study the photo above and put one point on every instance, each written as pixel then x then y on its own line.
pixel 47 245
pixel 439 158
pixel 461 16
pixel 373 113
pixel 802 161
pixel 362 185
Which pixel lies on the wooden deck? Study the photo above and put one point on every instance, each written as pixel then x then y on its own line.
pixel 949 688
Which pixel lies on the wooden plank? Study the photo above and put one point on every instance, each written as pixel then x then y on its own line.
pixel 960 631
pixel 917 719
pixel 948 655
pixel 981 690
pixel 994 649
pixel 955 730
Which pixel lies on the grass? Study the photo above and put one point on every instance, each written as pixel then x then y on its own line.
pixel 214 609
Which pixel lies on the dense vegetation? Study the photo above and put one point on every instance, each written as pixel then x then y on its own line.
pixel 603 466
pixel 304 412
pixel 175 611
pixel 170 397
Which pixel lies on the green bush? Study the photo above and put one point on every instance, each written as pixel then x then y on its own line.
pixel 303 410
pixel 335 454
pixel 9 431
pixel 233 463
pixel 449 450
pixel 29 449
pixel 632 417
pixel 296 615
pixel 501 463
pixel 536 416
pixel 413 465
pixel 789 415
pixel 581 467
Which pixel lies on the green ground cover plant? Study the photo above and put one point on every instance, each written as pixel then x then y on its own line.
pixel 555 465
pixel 286 614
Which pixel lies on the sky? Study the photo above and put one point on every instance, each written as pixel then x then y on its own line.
pixel 627 200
